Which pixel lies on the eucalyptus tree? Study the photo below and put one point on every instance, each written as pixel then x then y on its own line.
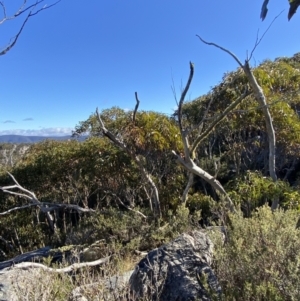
pixel 146 139
pixel 261 99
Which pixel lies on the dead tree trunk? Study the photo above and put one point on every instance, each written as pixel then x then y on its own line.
pixel 188 161
pixel 261 99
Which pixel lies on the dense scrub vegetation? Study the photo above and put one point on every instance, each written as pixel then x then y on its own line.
pixel 260 259
pixel 96 174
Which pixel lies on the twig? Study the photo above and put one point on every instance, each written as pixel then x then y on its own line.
pixel 183 94
pixel 73 267
pixel 17 14
pixel 257 42
pixel 136 107
pixel 222 48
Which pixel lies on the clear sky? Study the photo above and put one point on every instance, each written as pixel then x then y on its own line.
pixel 79 55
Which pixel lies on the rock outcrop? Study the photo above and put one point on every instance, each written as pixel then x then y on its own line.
pixel 177 271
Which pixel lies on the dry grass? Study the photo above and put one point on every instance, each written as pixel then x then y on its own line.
pixel 100 283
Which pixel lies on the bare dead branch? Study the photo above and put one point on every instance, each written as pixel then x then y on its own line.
pixel 30 7
pixel 258 41
pixel 45 207
pixel 183 94
pixel 4 11
pixel 109 134
pixel 136 107
pixel 187 188
pixel 12 44
pixel 16 208
pixel 68 269
pixel 174 91
pixel 261 99
pixel 21 10
pixel 43 8
pixel 193 168
pixel 31 196
pixel 189 155
pixel 222 48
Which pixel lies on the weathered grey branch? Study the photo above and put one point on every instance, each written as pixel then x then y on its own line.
pixel 187 188
pixel 68 269
pixel 222 48
pixel 258 40
pixel 136 107
pixel 189 155
pixel 30 196
pixel 32 11
pixel 192 167
pixel 110 135
pixel 261 99
pixel 45 207
pixel 183 94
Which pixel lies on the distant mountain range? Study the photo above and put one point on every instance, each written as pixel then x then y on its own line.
pixel 34 139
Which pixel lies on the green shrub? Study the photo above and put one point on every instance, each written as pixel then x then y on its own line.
pixel 260 259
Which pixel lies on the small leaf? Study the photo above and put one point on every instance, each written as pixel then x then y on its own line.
pixel 264 10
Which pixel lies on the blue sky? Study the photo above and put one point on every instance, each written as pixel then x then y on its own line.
pixel 80 55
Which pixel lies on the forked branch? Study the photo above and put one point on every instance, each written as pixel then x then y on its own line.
pixel 145 174
pixel 188 161
pixel 45 207
pixel 32 11
pixel 261 99
pixel 183 94
pixel 136 107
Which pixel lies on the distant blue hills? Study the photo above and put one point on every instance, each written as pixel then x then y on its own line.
pixel 34 139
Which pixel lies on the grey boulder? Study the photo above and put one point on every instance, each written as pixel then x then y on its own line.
pixel 179 270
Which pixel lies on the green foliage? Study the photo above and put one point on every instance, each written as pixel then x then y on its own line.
pixel 152 136
pixel 240 141
pixel 293 8
pixel 174 224
pixel 251 190
pixel 199 202
pixel 128 231
pixel 151 130
pixel 97 174
pixel 20 230
pixel 124 230
pixel 260 259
